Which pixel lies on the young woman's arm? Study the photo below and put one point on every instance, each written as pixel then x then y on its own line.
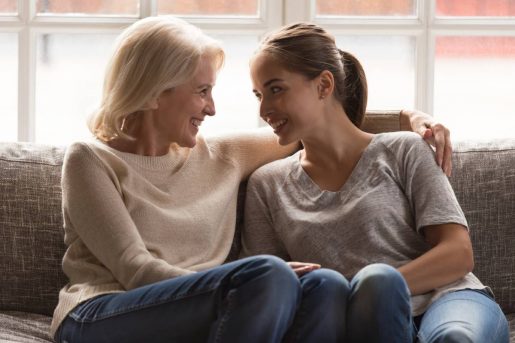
pixel 437 217
pixel 450 259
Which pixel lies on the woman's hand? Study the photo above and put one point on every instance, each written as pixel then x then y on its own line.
pixel 301 268
pixel 433 132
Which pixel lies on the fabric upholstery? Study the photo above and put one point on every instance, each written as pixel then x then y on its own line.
pixel 31 234
pixel 484 183
pixel 24 327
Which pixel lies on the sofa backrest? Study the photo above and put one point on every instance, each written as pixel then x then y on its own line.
pixel 31 234
pixel 484 182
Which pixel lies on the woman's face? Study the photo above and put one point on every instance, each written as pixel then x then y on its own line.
pixel 289 101
pixel 181 110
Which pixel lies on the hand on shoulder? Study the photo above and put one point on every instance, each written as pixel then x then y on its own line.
pixel 434 132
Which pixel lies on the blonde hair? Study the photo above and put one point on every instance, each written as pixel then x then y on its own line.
pixel 150 56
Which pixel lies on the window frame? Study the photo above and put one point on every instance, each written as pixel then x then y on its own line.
pixel 425 26
pixel 27 24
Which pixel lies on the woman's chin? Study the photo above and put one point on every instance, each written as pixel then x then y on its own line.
pixel 188 142
pixel 283 140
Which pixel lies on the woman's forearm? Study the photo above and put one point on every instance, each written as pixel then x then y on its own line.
pixel 446 262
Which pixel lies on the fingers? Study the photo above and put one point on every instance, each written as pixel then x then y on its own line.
pixel 442 143
pixel 434 133
pixel 301 268
pixel 427 133
pixel 304 270
pixel 295 264
pixel 447 157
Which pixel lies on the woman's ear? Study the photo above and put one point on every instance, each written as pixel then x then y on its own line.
pixel 325 84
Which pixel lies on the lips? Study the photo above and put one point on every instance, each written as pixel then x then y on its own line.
pixel 196 122
pixel 276 124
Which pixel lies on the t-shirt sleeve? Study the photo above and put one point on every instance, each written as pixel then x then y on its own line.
pixel 258 234
pixel 427 188
pixel 94 210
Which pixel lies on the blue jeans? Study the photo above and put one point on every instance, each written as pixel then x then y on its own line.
pixel 463 316
pixel 379 310
pixel 379 306
pixel 257 299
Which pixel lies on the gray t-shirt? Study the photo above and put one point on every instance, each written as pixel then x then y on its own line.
pixel 395 189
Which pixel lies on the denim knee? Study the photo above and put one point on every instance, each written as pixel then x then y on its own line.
pixel 272 272
pixel 379 278
pixel 453 334
pixel 330 281
pixel 379 306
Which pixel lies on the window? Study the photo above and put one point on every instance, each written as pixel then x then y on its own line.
pixel 453 58
pixel 8 85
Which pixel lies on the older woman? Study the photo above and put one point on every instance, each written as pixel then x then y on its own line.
pixel 150 206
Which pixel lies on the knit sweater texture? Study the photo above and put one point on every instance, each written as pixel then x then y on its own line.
pixel 132 220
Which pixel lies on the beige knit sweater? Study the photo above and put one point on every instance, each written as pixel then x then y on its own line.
pixel 132 220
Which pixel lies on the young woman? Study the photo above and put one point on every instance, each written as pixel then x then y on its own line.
pixel 376 208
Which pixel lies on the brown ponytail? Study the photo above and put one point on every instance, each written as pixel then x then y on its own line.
pixel 308 49
pixel 355 88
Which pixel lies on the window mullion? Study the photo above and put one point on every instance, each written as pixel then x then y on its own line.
pixel 424 58
pixel 272 13
pixel 147 8
pixel 298 10
pixel 26 73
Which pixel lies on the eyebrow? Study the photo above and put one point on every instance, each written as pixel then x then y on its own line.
pixel 204 85
pixel 269 82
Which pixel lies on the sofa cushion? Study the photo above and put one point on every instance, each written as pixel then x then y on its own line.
pixel 484 183
pixel 24 327
pixel 31 231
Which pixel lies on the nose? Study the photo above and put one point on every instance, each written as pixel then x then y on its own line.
pixel 265 111
pixel 210 107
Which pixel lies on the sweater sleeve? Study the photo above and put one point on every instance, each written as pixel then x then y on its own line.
pixel 251 149
pixel 258 234
pixel 95 212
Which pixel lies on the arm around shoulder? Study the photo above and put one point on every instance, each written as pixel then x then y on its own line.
pixel 252 149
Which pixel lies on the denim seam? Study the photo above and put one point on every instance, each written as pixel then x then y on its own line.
pixel 125 310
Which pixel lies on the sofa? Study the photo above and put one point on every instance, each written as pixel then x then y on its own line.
pixel 31 234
